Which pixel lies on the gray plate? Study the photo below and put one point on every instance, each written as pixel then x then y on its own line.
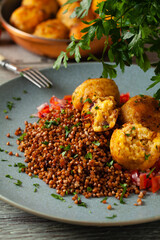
pixel 41 203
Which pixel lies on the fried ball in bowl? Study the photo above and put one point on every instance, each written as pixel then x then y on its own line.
pixel 52 28
pixel 135 146
pixel 142 109
pixel 65 12
pixel 76 30
pixel 49 6
pixel 94 89
pixel 26 18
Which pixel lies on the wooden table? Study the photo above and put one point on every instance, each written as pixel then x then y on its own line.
pixel 16 224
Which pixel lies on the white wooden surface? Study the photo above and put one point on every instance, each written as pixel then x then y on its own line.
pixel 16 224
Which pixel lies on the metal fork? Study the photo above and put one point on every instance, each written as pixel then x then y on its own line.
pixel 33 75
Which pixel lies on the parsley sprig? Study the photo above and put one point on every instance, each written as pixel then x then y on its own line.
pixel 131 30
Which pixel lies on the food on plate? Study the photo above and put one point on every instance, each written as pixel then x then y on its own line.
pixel 52 28
pixel 91 154
pixel 49 6
pixel 142 109
pixel 94 88
pixel 135 147
pixel 26 18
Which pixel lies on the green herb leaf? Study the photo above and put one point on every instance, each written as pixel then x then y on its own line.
pixel 112 217
pixel 1 150
pixel 148 175
pixel 147 156
pixel 16 98
pixel 104 199
pixel 58 197
pixel 10 105
pixel 88 156
pixel 67 131
pixel 9 176
pixel 18 183
pixel 22 136
pixel 97 143
pixel 124 186
pixel 45 143
pixel 4 160
pixel 88 100
pixel 48 124
pixel 89 189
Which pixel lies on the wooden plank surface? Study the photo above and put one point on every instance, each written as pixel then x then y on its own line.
pixel 16 224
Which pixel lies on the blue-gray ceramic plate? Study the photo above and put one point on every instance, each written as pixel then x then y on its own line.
pixel 41 203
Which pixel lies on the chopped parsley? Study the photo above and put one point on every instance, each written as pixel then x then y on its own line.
pixel 10 105
pixel 5 111
pixel 81 100
pixel 113 216
pixel 88 156
pixel 67 131
pixel 36 186
pixel 76 155
pixel 24 91
pixel 124 186
pixel 146 156
pixel 4 160
pixel 20 166
pixel 9 176
pixel 22 136
pixel 97 143
pixel 88 112
pixel 148 175
pixel 48 124
pixel 104 199
pixel 63 111
pixel 105 126
pixel 109 164
pixel 82 204
pixel 89 189
pixel 18 183
pixel 16 98
pixel 58 197
pixel 1 150
pixel 96 107
pixel 45 143
pixel 88 100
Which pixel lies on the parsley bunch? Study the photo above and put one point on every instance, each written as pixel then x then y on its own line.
pixel 133 28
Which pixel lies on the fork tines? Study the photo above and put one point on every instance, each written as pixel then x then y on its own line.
pixel 36 77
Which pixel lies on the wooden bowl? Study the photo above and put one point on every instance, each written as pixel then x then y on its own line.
pixel 41 46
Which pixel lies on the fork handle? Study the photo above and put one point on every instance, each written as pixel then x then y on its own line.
pixel 5 63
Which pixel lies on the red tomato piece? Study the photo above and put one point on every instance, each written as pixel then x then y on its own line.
pixel 155 183
pixel 124 97
pixel 43 112
pixel 145 181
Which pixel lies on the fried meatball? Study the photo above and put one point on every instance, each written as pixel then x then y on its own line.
pixel 135 146
pixel 94 88
pixel 49 6
pixel 26 18
pixel 142 109
pixel 65 12
pixel 53 28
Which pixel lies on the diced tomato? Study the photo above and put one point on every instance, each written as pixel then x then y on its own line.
pixel 145 181
pixel 68 98
pixel 124 97
pixel 43 112
pixel 117 166
pixel 155 183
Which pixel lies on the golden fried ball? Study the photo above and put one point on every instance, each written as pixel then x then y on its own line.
pixel 94 89
pixel 76 30
pixel 65 12
pixel 94 8
pixel 135 147
pixel 142 109
pixel 61 2
pixel 26 18
pixel 49 6
pixel 53 28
